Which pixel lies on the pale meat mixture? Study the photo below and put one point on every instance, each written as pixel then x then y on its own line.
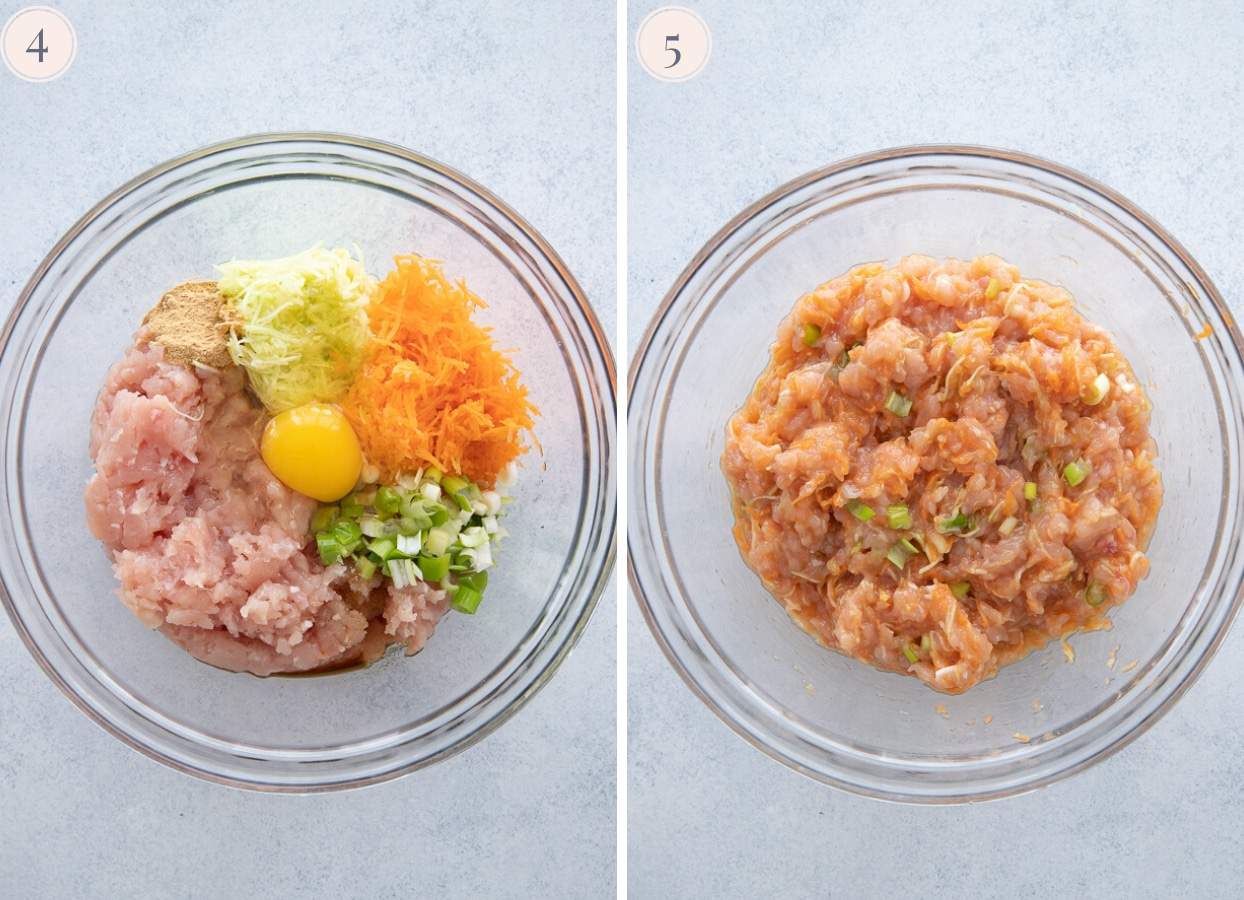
pixel 209 547
pixel 1003 380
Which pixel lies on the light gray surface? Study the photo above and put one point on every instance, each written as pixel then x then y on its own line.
pixel 486 89
pixel 1138 95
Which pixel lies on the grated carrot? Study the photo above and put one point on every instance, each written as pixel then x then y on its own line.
pixel 432 390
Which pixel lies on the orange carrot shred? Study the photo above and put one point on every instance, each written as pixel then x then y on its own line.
pixel 432 390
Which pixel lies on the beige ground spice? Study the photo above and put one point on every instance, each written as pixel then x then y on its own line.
pixel 188 324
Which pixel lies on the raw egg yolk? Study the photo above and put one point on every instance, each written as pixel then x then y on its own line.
pixel 313 450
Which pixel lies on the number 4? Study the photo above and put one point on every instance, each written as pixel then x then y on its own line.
pixel 37 46
pixel 669 37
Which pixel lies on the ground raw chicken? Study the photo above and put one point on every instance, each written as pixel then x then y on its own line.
pixel 209 547
pixel 907 537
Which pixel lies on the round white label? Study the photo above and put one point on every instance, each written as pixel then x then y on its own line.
pixel 673 43
pixel 38 43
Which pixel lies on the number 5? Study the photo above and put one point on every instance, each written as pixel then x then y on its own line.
pixel 677 53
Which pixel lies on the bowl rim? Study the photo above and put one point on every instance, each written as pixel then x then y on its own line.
pixel 594 337
pixel 645 347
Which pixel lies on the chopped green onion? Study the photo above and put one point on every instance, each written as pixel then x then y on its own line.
pixel 347 534
pixel 1096 392
pixel 434 568
pixel 900 553
pixel 960 523
pixel 477 580
pixel 992 289
pixel 1094 594
pixel 453 484
pixel 926 642
pixel 960 589
pixel 384 548
pixel 473 537
pixel 1075 472
pixel 811 334
pixel 330 550
pixel 860 510
pixel 1030 490
pixel 388 501
pixel 907 545
pixel 1009 524
pixel 899 516
pixel 480 557
pixel 324 518
pixel 466 599
pixel 406 532
pixel 404 572
pixel 414 516
pixel 437 541
pixel 898 404
pixel 909 651
pixel 409 544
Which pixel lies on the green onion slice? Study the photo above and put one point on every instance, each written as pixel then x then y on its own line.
pixel 330 550
pixel 1094 594
pixel 811 334
pixel 960 589
pixel 1097 390
pixel 388 501
pixel 899 516
pixel 1030 490
pixel 434 568
pixel 860 510
pixel 959 523
pixel 909 650
pixel 347 534
pixel 1075 472
pixel 324 518
pixel 898 404
pixel 477 580
pixel 466 599
pixel 900 553
pixel 384 548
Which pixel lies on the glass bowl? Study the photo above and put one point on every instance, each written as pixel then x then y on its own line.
pixel 836 719
pixel 272 195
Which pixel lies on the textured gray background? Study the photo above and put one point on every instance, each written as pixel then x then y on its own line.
pixel 1143 96
pixel 489 89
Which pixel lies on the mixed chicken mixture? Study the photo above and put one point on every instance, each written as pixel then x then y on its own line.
pixel 943 467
